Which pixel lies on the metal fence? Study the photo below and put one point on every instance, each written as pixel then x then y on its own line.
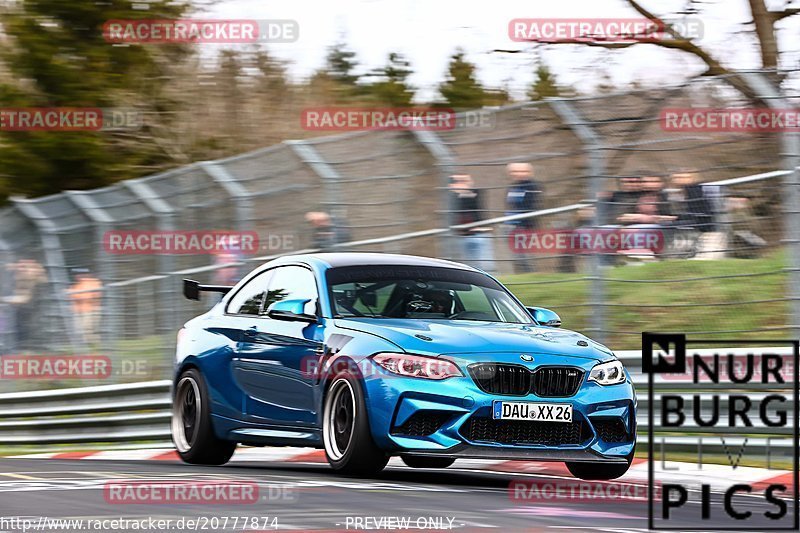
pixel 391 191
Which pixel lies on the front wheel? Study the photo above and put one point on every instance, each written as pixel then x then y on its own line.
pixel 345 429
pixel 416 461
pixel 192 431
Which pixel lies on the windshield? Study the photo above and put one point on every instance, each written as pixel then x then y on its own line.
pixel 427 293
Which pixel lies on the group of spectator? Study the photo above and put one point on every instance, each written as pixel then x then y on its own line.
pixel 682 207
pixel 476 245
pixel 688 212
pixel 685 211
pixel 21 321
pixel 645 199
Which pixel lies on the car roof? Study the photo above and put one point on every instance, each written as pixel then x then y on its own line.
pixel 343 259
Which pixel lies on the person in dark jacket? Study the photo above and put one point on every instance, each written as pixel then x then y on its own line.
pixel 523 196
pixel 475 243
pixel 327 230
pixel 698 206
pixel 694 203
pixel 623 200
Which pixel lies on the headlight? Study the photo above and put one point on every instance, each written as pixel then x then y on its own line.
pixel 609 373
pixel 417 366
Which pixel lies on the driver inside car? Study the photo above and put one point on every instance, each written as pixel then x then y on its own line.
pixel 431 302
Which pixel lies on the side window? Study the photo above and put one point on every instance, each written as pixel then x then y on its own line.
pixel 292 283
pixel 250 297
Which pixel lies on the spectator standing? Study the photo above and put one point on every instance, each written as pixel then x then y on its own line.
pixel 695 206
pixel 652 206
pixel 86 298
pixel 523 196
pixel 475 244
pixel 326 231
pixel 623 200
pixel 647 216
pixel 29 280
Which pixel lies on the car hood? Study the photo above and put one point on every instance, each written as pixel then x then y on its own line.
pixel 440 337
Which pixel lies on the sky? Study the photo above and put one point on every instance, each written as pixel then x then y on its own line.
pixel 428 31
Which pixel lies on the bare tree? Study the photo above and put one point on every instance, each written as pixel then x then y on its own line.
pixel 763 20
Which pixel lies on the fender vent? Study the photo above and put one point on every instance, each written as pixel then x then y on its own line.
pixel 611 430
pixel 422 424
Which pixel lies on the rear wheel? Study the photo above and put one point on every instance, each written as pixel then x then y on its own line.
pixel 415 461
pixel 345 429
pixel 192 431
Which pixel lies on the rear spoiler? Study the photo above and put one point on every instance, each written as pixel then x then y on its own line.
pixel 192 289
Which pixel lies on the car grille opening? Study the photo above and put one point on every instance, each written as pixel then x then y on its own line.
pixel 522 432
pixel 512 380
pixel 518 380
pixel 611 430
pixel 422 423
pixel 556 381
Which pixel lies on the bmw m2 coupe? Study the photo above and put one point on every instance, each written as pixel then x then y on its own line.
pixel 370 356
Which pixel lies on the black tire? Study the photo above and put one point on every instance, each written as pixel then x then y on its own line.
pixel 416 461
pixel 599 471
pixel 345 429
pixel 192 432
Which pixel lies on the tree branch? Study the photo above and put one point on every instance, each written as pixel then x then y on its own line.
pixel 788 12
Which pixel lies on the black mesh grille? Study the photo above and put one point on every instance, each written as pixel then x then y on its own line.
pixel 611 430
pixel 556 381
pixel 422 423
pixel 483 429
pixel 512 380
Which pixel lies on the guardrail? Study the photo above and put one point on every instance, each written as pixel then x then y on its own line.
pixel 141 412
pixel 106 413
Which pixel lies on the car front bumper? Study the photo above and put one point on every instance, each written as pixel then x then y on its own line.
pixel 433 418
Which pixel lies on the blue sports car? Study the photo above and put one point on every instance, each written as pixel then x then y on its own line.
pixel 373 355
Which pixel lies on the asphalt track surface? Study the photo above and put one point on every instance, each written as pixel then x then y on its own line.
pixel 312 497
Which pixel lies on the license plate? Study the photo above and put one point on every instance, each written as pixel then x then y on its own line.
pixel 540 412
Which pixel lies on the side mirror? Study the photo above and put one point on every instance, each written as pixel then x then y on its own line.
pixel 294 310
pixel 545 317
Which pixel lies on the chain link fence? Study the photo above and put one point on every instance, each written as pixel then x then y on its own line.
pixel 728 268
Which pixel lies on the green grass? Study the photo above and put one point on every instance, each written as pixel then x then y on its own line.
pixel 645 306
pixel 775 463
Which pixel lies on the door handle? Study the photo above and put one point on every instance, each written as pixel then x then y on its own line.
pixel 250 333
